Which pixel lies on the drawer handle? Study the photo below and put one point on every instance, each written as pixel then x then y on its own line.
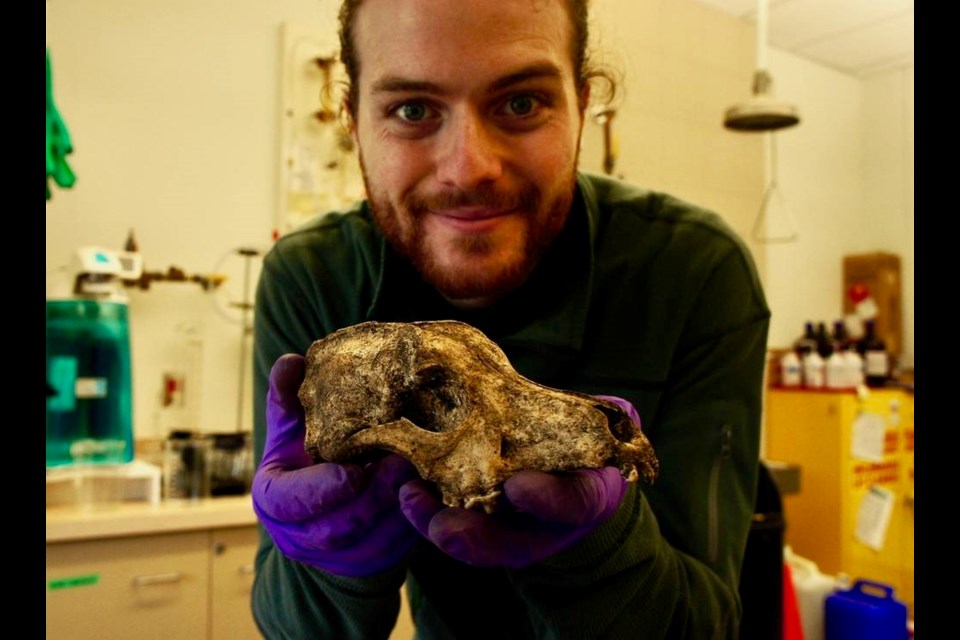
pixel 246 569
pixel 158 578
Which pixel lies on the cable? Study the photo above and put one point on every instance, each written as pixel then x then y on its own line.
pixel 246 309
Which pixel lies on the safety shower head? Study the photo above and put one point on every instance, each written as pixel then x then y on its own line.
pixel 762 112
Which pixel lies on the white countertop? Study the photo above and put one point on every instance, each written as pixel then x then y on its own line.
pixel 68 523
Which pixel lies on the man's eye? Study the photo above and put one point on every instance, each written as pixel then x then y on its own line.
pixel 412 112
pixel 521 105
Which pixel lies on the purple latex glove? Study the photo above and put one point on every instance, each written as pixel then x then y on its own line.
pixel 626 405
pixel 542 514
pixel 341 518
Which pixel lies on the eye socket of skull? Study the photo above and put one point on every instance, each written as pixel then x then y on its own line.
pixel 621 426
pixel 435 400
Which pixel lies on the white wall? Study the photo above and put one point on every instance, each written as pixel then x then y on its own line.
pixel 684 64
pixel 820 173
pixel 174 111
pixel 846 172
pixel 888 179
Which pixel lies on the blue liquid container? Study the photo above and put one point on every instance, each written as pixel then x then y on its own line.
pixel 867 611
pixel 89 407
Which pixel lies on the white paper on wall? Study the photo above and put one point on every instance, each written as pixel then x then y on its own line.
pixel 867 437
pixel 873 517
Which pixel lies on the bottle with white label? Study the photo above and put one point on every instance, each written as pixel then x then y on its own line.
pixel 835 371
pixel 854 364
pixel 813 371
pixel 791 372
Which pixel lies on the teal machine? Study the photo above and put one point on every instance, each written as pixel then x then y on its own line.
pixel 89 405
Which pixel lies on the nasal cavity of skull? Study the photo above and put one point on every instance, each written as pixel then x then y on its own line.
pixel 434 402
pixel 620 425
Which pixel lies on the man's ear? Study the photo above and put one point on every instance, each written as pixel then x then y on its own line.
pixel 347 120
pixel 584 98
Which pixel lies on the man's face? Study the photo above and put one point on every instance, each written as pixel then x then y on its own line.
pixel 468 125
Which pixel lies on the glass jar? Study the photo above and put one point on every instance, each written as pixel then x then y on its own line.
pixel 186 466
pixel 231 464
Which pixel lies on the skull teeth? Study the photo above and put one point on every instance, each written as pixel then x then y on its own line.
pixel 488 502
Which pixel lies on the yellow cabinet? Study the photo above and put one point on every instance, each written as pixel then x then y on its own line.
pixel 855 453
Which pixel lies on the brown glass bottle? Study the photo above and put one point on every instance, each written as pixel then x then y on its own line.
pixel 876 359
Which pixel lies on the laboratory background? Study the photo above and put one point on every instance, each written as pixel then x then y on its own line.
pixel 192 133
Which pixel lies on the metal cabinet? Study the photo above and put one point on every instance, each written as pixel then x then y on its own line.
pixel 231 579
pixel 138 587
pixel 183 585
pixel 823 432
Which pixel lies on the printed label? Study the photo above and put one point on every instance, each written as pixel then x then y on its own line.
pixel 87 388
pixel 873 517
pixel 875 363
pixel 876 473
pixel 868 435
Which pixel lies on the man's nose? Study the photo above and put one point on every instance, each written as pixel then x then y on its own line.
pixel 470 152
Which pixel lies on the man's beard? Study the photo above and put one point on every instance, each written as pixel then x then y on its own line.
pixel 454 282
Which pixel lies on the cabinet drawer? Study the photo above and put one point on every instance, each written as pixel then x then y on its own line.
pixel 139 587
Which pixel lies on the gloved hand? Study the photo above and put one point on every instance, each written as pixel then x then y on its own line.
pixel 626 405
pixel 541 515
pixel 342 518
pixel 58 141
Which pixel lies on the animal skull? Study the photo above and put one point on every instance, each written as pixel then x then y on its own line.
pixel 445 396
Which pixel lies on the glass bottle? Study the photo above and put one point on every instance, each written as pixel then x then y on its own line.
pixel 791 372
pixel 813 370
pixel 841 339
pixel 876 359
pixel 824 343
pixel 852 362
pixel 807 342
pixel 835 368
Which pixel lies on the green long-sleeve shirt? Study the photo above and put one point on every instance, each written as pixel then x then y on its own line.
pixel 643 296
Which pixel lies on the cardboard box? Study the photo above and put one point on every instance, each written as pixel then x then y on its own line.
pixel 880 273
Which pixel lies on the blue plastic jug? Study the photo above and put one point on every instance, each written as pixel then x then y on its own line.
pixel 867 611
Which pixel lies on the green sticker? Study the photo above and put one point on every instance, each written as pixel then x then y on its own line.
pixel 62 376
pixel 75 581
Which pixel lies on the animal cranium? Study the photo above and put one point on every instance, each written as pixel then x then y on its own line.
pixel 445 396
